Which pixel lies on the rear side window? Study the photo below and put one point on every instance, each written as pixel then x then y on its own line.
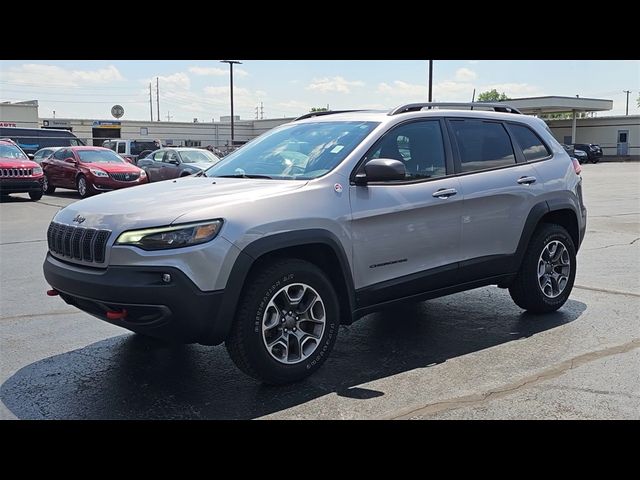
pixel 121 147
pixel 482 145
pixel 531 145
pixel 60 154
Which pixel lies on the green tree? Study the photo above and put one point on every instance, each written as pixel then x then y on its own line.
pixel 492 96
pixel 319 109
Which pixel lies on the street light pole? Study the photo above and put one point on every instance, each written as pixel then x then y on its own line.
pixel 430 79
pixel 231 63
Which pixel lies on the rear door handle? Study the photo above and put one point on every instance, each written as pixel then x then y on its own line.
pixel 445 193
pixel 526 180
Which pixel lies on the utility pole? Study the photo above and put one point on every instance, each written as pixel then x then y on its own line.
pixel 231 63
pixel 430 79
pixel 150 102
pixel 261 111
pixel 256 112
pixel 158 97
pixel 627 92
pixel 168 116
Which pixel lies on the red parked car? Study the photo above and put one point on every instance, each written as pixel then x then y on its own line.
pixel 18 174
pixel 89 170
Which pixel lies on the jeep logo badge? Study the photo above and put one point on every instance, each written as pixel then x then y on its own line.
pixel 126 176
pixel 78 219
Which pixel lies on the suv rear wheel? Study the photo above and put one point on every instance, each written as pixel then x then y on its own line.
pixel 286 324
pixel 548 270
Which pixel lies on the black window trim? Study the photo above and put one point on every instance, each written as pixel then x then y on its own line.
pixel 448 154
pixel 519 150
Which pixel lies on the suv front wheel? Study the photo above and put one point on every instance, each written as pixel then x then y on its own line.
pixel 287 322
pixel 548 270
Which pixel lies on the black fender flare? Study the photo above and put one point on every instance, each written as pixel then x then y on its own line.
pixel 249 254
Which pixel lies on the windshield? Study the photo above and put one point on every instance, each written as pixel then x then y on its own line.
pixel 99 156
pixel 11 151
pixel 198 156
pixel 297 151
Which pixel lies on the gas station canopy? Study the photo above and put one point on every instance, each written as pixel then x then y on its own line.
pixel 546 105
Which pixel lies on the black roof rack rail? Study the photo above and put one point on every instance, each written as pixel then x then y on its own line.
pixel 324 112
pixel 415 107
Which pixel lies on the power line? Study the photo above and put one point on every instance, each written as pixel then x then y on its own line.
pixel 49 100
pixel 48 84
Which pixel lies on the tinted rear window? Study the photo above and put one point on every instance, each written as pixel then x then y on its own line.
pixel 531 145
pixel 139 146
pixel 482 145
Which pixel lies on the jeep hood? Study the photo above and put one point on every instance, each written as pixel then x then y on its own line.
pixel 162 203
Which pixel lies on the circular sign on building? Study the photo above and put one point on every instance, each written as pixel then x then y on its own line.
pixel 117 111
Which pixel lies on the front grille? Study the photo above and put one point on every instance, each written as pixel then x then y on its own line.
pixel 80 243
pixel 125 177
pixel 16 172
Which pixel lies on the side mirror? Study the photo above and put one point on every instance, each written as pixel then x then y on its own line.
pixel 174 162
pixel 381 170
pixel 30 155
pixel 70 160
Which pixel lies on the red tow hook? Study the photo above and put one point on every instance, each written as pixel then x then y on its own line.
pixel 116 315
pixel 52 293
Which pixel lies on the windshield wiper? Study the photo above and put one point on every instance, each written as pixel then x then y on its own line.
pixel 243 175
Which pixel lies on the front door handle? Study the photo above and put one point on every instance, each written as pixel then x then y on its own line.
pixel 526 180
pixel 444 193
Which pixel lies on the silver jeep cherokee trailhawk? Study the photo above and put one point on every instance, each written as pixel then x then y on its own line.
pixel 320 221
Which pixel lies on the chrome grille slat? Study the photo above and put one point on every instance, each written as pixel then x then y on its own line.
pixel 16 172
pixel 79 243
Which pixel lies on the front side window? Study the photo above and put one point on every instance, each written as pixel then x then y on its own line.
pixel 13 152
pixel 419 145
pixel 171 156
pixel 298 151
pixel 61 154
pixel 531 145
pixel 482 145
pixel 99 156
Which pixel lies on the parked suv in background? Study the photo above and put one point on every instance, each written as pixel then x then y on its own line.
pixel 593 151
pixel 89 170
pixel 131 150
pixel 18 174
pixel 323 220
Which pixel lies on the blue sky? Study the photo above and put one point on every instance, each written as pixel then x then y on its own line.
pixel 200 89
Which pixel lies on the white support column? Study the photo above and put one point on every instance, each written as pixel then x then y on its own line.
pixel 573 127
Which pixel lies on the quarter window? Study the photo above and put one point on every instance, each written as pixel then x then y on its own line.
pixel 482 145
pixel 157 157
pixel 531 145
pixel 418 145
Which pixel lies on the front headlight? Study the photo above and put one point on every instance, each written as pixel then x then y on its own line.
pixel 99 173
pixel 37 171
pixel 143 173
pixel 175 236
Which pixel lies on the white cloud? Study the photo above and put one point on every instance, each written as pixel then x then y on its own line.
pixel 402 89
pixel 465 75
pixel 217 72
pixel 474 62
pixel 175 80
pixel 242 97
pixel 334 84
pixel 52 75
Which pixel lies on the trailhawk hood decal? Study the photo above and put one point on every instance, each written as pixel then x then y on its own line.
pixel 162 203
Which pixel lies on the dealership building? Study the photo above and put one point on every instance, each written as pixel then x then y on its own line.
pixel 617 135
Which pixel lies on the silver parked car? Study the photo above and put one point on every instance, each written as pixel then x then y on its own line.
pixel 168 163
pixel 323 220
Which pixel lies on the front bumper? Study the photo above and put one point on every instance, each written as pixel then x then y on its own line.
pixel 107 184
pixel 176 311
pixel 19 185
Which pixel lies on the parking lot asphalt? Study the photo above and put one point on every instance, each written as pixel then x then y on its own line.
pixel 470 355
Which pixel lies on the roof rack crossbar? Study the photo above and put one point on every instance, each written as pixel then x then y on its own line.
pixel 324 112
pixel 415 107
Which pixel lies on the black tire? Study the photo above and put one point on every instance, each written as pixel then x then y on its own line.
pixel 47 187
pixel 36 195
pixel 88 191
pixel 525 290
pixel 245 342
